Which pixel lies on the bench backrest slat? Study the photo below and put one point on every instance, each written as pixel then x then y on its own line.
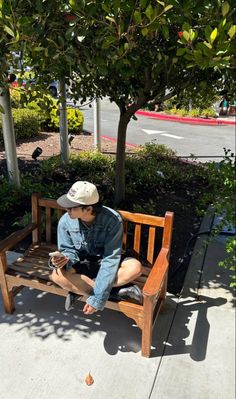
pixel 48 213
pixel 125 228
pixel 151 244
pixel 137 238
pixel 142 225
pixel 167 233
pixel 152 222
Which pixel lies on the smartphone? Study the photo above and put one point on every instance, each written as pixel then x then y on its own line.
pixel 56 253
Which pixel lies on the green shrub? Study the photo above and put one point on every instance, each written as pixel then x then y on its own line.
pixel 26 123
pixel 222 196
pixel 168 111
pixel 173 111
pixel 182 112
pixel 75 119
pixel 153 170
pixel 194 113
pixel 15 94
pixel 208 113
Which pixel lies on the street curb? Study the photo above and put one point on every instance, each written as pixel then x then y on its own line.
pixel 115 140
pixel 174 118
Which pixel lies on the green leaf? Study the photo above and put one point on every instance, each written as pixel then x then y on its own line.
pixel 2 109
pixel 161 2
pixel 186 35
pixel 232 31
pixel 149 11
pixel 74 5
pixel 186 26
pixel 9 31
pixel 143 3
pixel 110 19
pixel 61 41
pixel 207 44
pixel 165 32
pixel 168 7
pixel 213 35
pixel 56 56
pixel 116 6
pixel 38 48
pixel 68 33
pixel 137 17
pixel 144 31
pixel 105 8
pixel 192 35
pixel 208 32
pixel 225 8
pixel 180 51
pixel 224 22
pixel 108 41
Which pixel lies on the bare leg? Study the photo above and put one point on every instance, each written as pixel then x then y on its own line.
pixel 71 281
pixel 128 271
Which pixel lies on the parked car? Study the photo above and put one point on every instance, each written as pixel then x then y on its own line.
pixel 53 86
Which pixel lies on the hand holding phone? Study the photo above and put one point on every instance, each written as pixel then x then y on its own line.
pixel 57 254
pixel 57 259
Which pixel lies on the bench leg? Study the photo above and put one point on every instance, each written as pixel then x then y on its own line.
pixel 164 289
pixel 8 300
pixel 147 327
pixel 7 294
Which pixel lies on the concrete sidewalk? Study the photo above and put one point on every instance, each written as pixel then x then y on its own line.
pixel 46 352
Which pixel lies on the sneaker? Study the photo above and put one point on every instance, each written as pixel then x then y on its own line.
pixel 70 300
pixel 127 292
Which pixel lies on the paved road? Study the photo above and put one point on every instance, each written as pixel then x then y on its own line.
pixel 207 142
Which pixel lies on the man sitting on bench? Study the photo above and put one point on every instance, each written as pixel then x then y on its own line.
pixel 90 256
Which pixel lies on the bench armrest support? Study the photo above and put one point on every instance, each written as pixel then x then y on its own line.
pixel 157 274
pixel 16 237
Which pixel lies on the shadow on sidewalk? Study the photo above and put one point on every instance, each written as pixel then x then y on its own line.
pixel 42 316
pixel 190 329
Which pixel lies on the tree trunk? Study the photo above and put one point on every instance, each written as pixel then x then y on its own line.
pixel 120 159
pixel 97 124
pixel 63 124
pixel 9 138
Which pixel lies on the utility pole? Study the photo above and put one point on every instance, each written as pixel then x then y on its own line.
pixel 97 123
pixel 64 144
pixel 9 137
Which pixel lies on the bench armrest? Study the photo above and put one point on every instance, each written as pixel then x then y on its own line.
pixel 16 237
pixel 155 279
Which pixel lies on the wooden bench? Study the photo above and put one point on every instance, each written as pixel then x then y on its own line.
pixel 31 269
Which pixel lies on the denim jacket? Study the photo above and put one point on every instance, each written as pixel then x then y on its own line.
pixel 103 238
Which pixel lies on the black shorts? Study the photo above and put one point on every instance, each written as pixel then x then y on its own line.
pixel 90 266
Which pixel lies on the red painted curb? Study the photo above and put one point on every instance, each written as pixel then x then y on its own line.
pixel 174 118
pixel 115 140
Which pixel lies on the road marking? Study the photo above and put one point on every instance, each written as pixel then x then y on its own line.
pixel 172 136
pixel 153 131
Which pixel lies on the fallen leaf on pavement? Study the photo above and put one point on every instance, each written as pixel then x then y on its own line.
pixel 89 379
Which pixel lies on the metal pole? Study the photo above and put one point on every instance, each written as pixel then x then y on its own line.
pixel 64 144
pixel 97 123
pixel 9 138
